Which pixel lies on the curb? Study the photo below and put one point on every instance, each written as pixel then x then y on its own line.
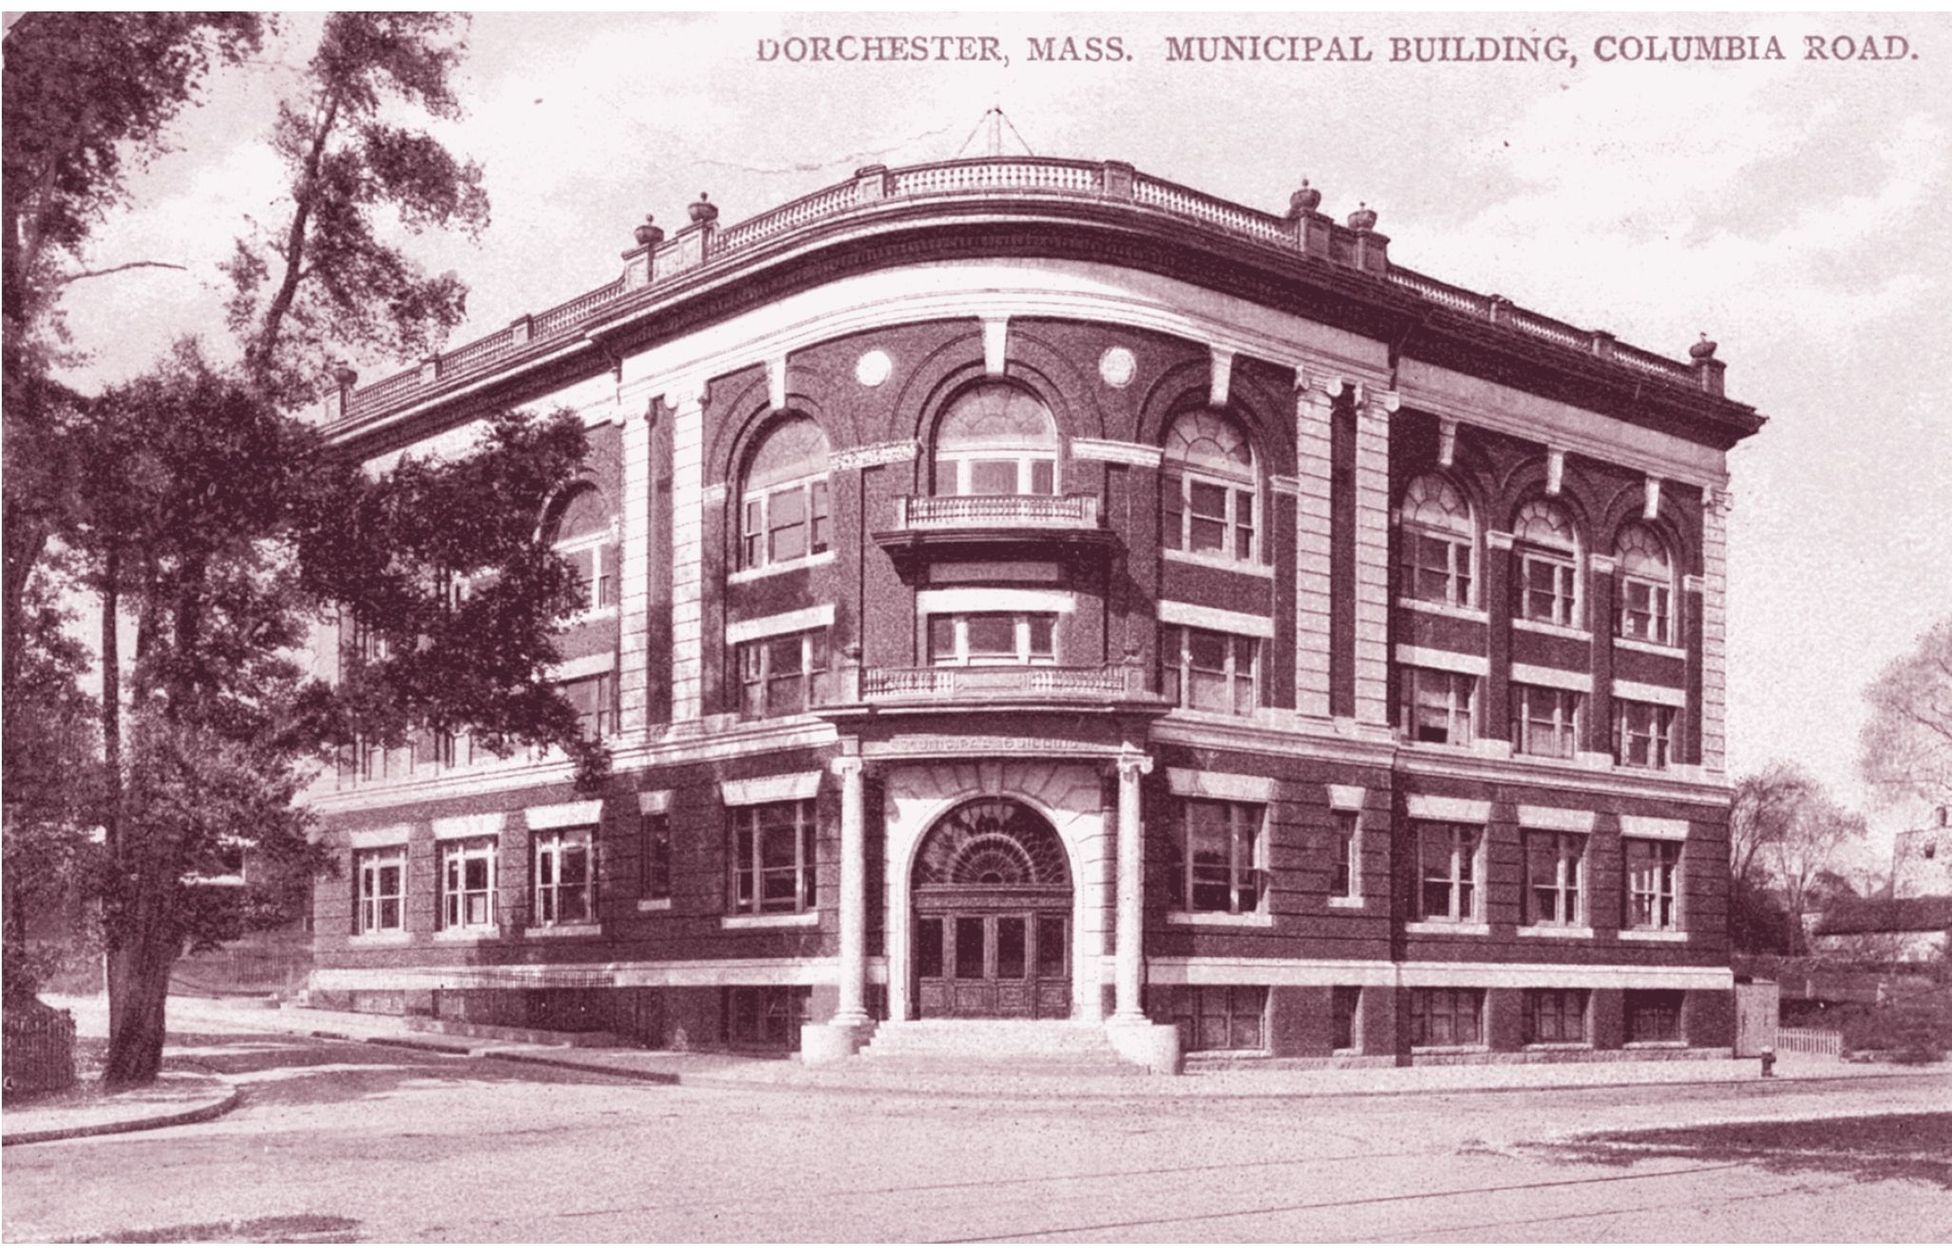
pixel 658 1077
pixel 202 1113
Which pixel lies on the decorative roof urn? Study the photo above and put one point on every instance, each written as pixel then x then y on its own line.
pixel 1362 218
pixel 703 211
pixel 648 232
pixel 1702 350
pixel 1304 201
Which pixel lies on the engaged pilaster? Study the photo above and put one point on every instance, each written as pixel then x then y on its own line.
pixel 1373 410
pixel 687 404
pixel 1314 411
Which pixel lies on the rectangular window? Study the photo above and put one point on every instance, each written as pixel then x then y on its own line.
pixel 779 676
pixel 1546 588
pixel 1345 882
pixel 1645 610
pixel 1345 1005
pixel 1215 861
pixel 1544 721
pixel 1653 884
pixel 1554 868
pixel 1210 671
pixel 565 876
pixel 1643 734
pixel 773 858
pixel 595 701
pixel 1210 517
pixel 782 524
pixel 1438 707
pixel 468 884
pixel 1212 1018
pixel 1436 568
pixel 380 891
pixel 1654 1016
pixel 1555 1016
pixel 654 841
pixel 977 638
pixel 1446 1017
pixel 595 563
pixel 1448 875
pixel 765 1016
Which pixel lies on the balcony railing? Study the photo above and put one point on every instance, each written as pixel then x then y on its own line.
pixel 1014 681
pixel 707 246
pixel 996 511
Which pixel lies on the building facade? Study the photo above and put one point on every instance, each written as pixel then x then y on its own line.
pixel 1023 588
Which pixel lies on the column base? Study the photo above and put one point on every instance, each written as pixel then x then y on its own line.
pixel 1144 1043
pixel 835 1040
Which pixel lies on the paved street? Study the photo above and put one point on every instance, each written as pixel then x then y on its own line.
pixel 353 1141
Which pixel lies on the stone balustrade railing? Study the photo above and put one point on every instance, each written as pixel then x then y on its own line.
pixel 705 245
pixel 997 510
pixel 1003 682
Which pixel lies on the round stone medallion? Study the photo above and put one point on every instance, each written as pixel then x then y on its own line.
pixel 873 368
pixel 1117 366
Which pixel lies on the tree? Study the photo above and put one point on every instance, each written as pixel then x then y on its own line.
pixel 222 527
pixel 86 95
pixel 1905 747
pixel 325 279
pixel 1786 836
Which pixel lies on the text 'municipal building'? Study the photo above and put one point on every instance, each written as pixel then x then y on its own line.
pixel 1030 589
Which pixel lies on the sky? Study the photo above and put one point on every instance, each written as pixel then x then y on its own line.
pixel 1792 209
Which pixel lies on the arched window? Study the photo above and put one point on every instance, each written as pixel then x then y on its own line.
pixel 783 506
pixel 1646 586
pixel 996 439
pixel 1438 542
pixel 1209 484
pixel 580 529
pixel 1548 555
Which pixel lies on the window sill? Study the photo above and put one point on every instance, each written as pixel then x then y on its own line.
pixel 1449 1049
pixel 1201 558
pixel 653 905
pixel 1206 919
pixel 769 920
pixel 1666 1044
pixel 1444 608
pixel 1346 901
pixel 1651 648
pixel 750 574
pixel 572 929
pixel 1563 761
pixel 1653 936
pixel 1555 931
pixel 380 938
pixel 589 615
pixel 467 934
pixel 1447 927
pixel 1552 630
pixel 1577 1045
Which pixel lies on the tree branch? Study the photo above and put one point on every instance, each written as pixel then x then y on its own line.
pixel 65 280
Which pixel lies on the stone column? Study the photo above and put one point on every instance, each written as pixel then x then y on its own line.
pixel 1130 965
pixel 634 591
pixel 1374 407
pixel 1314 413
pixel 687 404
pixel 853 1010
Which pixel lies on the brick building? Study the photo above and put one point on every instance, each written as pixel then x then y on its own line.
pixel 1025 588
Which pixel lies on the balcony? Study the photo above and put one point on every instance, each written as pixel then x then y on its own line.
pixel 1005 685
pixel 977 526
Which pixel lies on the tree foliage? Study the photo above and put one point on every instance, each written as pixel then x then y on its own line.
pixel 1786 836
pixel 325 279
pixel 1905 748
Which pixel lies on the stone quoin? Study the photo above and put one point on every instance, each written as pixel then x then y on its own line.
pixel 1033 589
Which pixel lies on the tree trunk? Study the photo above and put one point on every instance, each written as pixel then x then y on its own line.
pixel 140 955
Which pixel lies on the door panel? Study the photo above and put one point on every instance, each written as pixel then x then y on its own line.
pixel 993 960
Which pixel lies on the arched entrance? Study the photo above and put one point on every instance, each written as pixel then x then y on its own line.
pixel 992 894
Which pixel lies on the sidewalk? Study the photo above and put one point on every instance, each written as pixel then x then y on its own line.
pixel 174 1099
pixel 1024 1079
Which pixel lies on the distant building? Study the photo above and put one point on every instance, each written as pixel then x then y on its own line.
pixel 1921 859
pixel 1886 931
pixel 1031 589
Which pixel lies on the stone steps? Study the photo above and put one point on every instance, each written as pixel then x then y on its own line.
pixel 1046 1042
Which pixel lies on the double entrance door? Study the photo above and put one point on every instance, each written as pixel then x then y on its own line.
pixel 983 952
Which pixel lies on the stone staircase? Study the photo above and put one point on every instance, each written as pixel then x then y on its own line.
pixel 969 1045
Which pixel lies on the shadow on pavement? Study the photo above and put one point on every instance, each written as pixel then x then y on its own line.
pixel 1899 1147
pixel 276 1228
pixel 323 1071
